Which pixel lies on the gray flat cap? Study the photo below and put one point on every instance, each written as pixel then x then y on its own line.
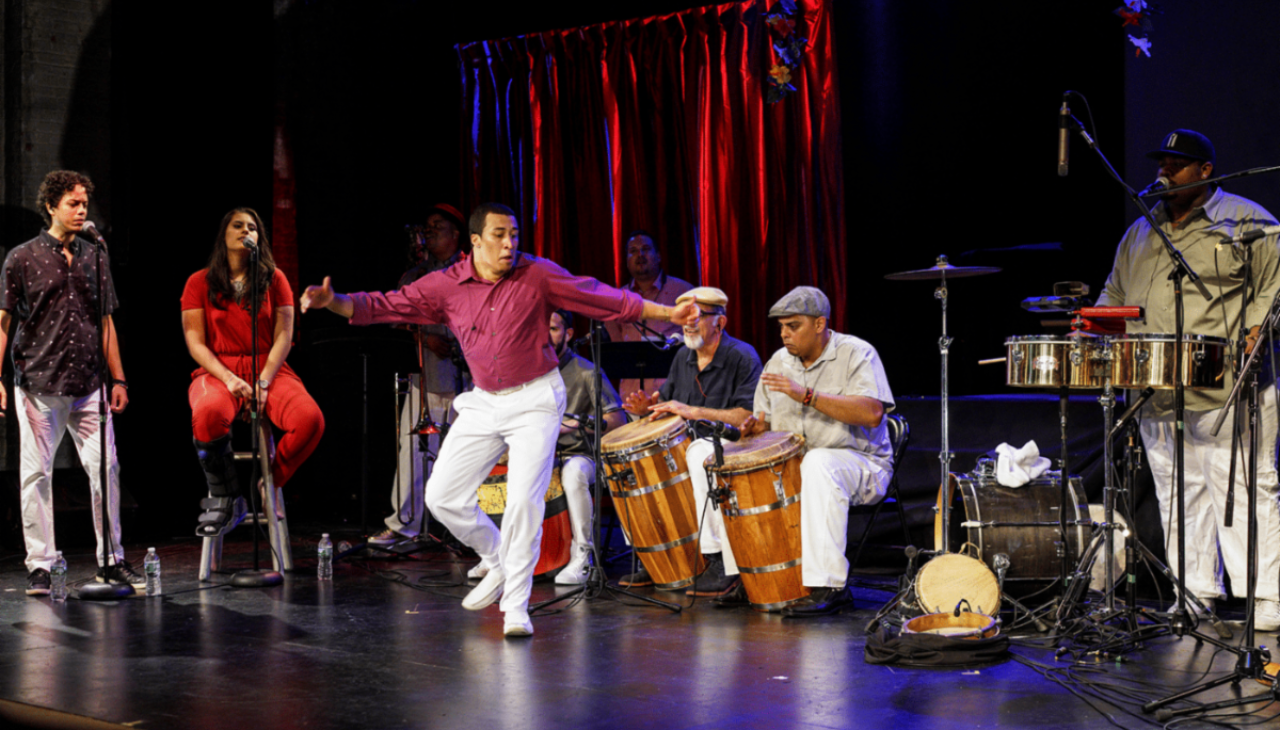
pixel 802 300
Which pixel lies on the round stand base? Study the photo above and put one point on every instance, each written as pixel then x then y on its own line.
pixel 104 591
pixel 256 579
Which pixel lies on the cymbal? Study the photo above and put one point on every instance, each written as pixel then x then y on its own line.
pixel 943 267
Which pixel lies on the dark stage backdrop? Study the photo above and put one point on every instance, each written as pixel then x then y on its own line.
pixel 661 123
pixel 948 126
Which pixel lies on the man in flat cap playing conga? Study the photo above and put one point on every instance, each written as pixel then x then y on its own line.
pixel 831 389
pixel 712 379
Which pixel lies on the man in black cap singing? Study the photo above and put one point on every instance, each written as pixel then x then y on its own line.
pixel 1200 221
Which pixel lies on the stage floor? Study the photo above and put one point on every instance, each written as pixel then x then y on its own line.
pixel 370 651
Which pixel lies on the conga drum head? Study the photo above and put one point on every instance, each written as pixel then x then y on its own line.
pixel 947 580
pixel 757 452
pixel 964 626
pixel 636 440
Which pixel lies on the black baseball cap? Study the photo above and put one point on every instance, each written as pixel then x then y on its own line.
pixel 1185 143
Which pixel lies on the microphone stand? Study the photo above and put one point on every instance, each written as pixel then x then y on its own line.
pixel 105 591
pixel 1179 623
pixel 1251 659
pixel 597 583
pixel 255 578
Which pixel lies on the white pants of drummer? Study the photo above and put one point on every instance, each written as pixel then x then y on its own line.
pixel 42 421
pixel 409 512
pixel 1208 461
pixel 577 476
pixel 831 481
pixel 525 422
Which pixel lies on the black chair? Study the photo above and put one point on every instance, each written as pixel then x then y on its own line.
pixel 899 435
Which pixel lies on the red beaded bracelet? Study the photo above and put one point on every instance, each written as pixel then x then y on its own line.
pixel 808 396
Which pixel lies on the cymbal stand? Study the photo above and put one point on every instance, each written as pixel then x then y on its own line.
pixel 945 456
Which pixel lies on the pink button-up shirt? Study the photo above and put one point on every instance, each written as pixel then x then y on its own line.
pixel 502 326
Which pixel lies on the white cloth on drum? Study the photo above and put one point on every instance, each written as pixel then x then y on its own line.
pixel 409 510
pixel 577 475
pixel 1016 467
pixel 713 539
pixel 830 481
pixel 524 422
pixel 1207 464
pixel 42 421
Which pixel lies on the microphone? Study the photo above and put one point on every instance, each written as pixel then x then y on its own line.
pixel 1255 234
pixel 723 431
pixel 1064 135
pixel 250 242
pixel 1158 186
pixel 92 230
pixel 673 340
pixel 586 419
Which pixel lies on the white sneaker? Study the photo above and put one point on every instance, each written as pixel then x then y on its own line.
pixel 517 625
pixel 1266 614
pixel 478 572
pixel 575 573
pixel 485 593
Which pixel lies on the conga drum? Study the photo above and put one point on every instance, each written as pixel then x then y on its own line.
pixel 762 515
pixel 557 533
pixel 652 494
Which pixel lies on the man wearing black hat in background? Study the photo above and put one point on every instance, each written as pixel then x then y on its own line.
pixel 1199 221
pixel 437 245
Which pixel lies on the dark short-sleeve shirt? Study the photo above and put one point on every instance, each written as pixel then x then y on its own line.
pixel 580 398
pixel 56 350
pixel 729 380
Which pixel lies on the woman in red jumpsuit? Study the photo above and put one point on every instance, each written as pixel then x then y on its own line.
pixel 216 324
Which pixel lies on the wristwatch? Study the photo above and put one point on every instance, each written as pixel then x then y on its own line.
pixel 262 384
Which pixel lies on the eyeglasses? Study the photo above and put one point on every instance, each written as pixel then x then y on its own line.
pixel 703 314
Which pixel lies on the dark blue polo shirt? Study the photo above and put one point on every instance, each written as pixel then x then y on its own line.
pixel 729 380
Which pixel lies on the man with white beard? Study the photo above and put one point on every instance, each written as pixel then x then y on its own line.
pixel 713 378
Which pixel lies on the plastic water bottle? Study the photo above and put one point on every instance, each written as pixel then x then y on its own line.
pixel 58 573
pixel 151 568
pixel 324 568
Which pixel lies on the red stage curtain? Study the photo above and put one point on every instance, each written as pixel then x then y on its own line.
pixel 660 123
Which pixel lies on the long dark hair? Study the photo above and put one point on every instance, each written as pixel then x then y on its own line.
pixel 221 290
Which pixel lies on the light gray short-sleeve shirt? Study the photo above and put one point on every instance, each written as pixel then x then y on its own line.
pixel 847 366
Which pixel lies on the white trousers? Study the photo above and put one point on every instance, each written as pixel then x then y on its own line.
pixel 526 424
pixel 577 475
pixel 1205 493
pixel 831 480
pixel 409 510
pixel 42 421
pixel 712 539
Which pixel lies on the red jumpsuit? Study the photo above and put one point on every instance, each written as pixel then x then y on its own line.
pixel 289 406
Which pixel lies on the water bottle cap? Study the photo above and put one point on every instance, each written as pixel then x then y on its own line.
pixel 324 534
pixel 59 553
pixel 151 550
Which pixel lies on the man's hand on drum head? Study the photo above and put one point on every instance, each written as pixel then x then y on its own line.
pixel 754 425
pixel 687 412
pixel 640 403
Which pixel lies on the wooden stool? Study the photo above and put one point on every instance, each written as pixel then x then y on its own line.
pixel 272 506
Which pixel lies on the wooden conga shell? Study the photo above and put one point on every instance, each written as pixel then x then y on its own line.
pixel 652 494
pixel 557 532
pixel 762 515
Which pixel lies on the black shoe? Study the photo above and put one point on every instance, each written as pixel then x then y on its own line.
pixel 39 582
pixel 220 516
pixel 821 602
pixel 638 579
pixel 734 598
pixel 713 582
pixel 120 574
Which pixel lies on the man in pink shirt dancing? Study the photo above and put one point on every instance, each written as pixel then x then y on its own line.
pixel 498 303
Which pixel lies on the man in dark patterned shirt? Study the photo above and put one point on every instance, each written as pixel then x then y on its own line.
pixel 51 286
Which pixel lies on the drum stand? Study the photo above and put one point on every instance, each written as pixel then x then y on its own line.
pixel 597 583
